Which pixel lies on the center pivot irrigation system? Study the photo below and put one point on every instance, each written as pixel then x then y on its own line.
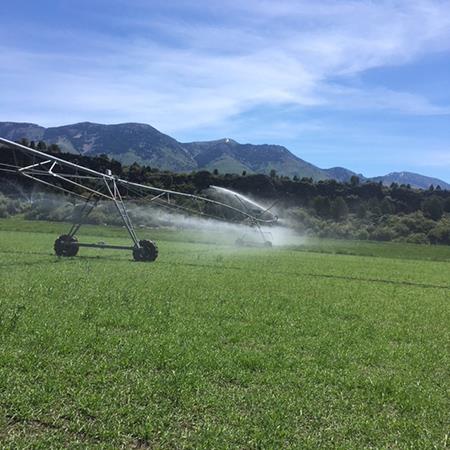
pixel 92 187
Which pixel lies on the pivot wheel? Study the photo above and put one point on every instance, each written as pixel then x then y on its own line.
pixel 147 251
pixel 267 244
pixel 66 245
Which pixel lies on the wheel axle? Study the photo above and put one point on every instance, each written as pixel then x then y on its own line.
pixel 67 246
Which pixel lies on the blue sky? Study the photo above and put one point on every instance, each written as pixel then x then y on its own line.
pixel 354 83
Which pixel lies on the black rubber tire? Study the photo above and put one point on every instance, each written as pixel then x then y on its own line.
pixel 148 251
pixel 66 246
pixel 267 244
pixel 239 242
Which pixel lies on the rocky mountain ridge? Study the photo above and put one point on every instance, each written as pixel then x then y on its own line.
pixel 144 144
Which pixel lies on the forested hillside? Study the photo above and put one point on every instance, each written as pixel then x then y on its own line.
pixel 144 144
pixel 355 209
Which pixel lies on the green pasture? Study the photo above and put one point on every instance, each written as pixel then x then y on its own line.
pixel 324 344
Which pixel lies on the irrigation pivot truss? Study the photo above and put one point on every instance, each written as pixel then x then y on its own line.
pixel 91 187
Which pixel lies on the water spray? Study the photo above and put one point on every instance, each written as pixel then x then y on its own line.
pixel 93 187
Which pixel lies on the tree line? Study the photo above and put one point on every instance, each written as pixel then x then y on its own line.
pixel 328 208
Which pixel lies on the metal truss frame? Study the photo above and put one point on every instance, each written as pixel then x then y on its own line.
pixel 92 186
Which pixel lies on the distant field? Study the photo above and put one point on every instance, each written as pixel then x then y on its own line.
pixel 329 344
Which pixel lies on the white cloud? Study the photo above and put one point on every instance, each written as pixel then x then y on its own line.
pixel 179 74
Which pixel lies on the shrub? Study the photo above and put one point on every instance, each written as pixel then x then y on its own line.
pixel 401 230
pixel 61 213
pixel 417 223
pixel 418 238
pixel 3 211
pixel 362 235
pixel 382 234
pixel 97 217
pixel 440 234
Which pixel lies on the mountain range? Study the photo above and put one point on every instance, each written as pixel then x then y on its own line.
pixel 144 144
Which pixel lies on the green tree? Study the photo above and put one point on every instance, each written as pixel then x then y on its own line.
pixel 339 209
pixel 362 211
pixel 447 205
pixel 374 206
pixel 354 180
pixel 54 148
pixel 322 206
pixel 202 179
pixel 386 206
pixel 440 234
pixel 135 172
pixel 433 208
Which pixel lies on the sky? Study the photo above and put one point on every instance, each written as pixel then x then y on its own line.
pixel 354 83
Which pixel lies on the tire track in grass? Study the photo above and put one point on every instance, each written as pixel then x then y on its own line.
pixel 43 426
pixel 315 275
pixel 235 268
pixel 63 426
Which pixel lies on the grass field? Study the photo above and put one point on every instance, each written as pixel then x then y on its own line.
pixel 326 345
